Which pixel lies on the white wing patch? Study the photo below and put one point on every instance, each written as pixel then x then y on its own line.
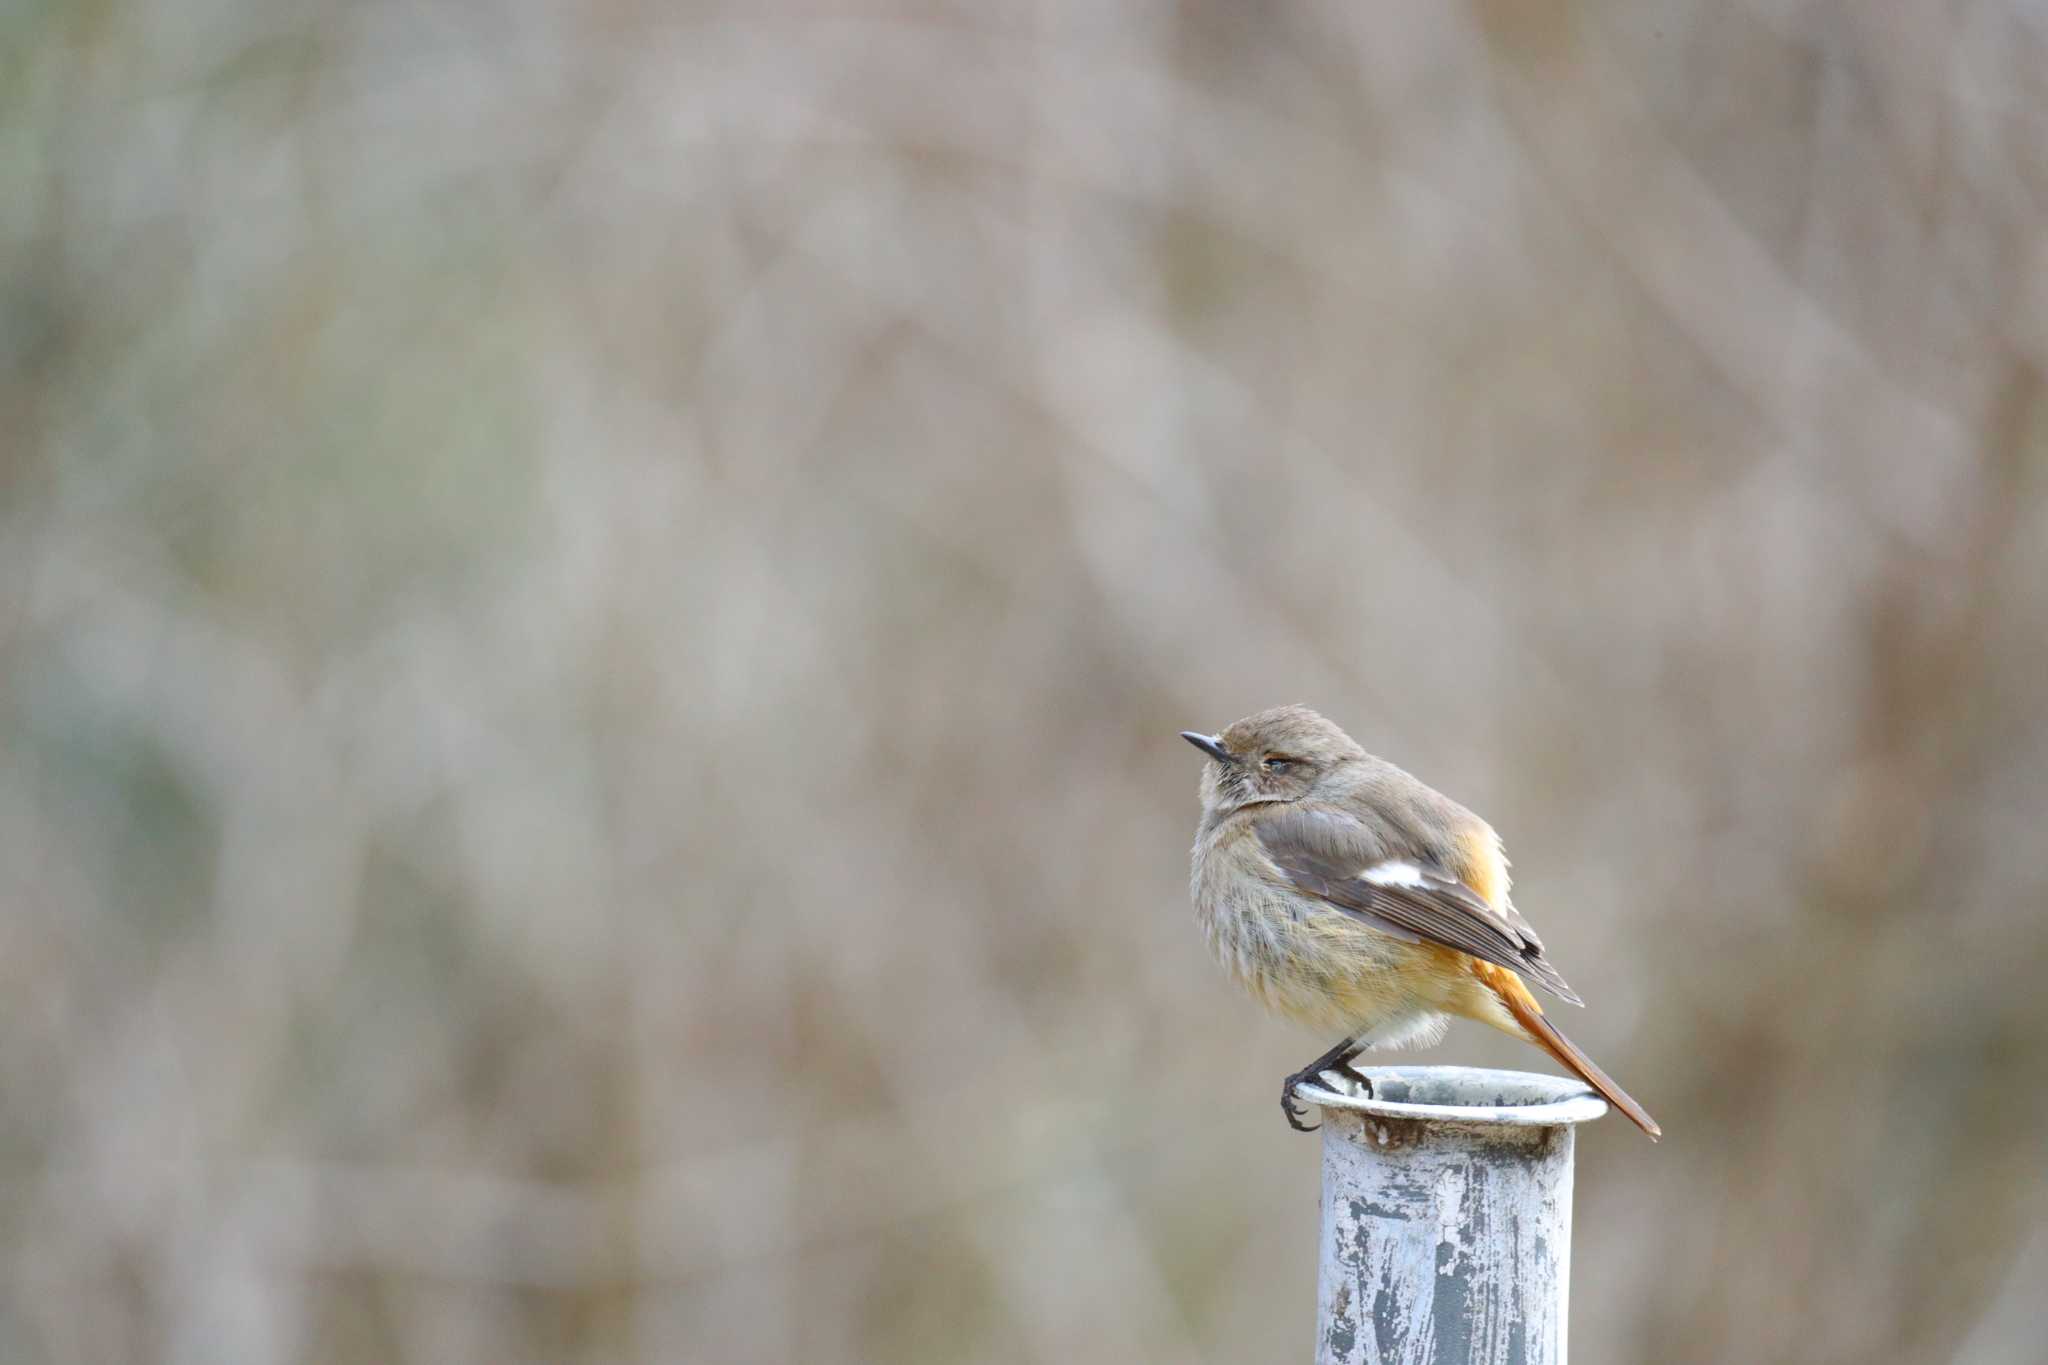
pixel 1401 874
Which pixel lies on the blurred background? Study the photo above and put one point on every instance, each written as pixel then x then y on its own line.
pixel 595 601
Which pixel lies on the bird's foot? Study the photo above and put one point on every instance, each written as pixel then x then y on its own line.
pixel 1355 1076
pixel 1287 1102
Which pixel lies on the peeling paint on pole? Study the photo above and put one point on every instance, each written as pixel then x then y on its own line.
pixel 1447 1217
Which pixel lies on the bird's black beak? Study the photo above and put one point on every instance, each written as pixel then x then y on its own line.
pixel 1208 744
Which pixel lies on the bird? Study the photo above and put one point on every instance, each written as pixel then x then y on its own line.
pixel 1353 899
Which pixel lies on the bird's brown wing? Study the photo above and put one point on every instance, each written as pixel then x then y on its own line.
pixel 1331 856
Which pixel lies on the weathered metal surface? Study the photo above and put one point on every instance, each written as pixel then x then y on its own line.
pixel 1447 1217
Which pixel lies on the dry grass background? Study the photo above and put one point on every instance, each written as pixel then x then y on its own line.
pixel 594 601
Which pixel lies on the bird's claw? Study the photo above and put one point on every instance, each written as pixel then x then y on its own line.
pixel 1287 1104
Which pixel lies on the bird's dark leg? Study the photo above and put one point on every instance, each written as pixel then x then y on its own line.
pixel 1337 1059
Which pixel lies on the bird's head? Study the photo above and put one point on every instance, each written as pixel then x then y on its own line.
pixel 1276 755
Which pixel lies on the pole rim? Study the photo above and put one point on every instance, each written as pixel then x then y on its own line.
pixel 1464 1095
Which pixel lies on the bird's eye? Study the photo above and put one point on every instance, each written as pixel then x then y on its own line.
pixel 1276 764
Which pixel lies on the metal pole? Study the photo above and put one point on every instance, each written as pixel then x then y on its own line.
pixel 1447 1217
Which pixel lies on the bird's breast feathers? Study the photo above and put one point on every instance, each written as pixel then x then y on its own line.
pixel 1301 957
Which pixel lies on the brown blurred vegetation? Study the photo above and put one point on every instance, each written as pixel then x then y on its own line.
pixel 594 601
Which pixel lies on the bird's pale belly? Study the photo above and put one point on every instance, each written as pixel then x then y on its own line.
pixel 1323 969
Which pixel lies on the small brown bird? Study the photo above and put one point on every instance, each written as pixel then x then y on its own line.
pixel 1353 899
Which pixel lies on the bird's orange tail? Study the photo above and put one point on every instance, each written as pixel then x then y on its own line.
pixel 1540 1031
